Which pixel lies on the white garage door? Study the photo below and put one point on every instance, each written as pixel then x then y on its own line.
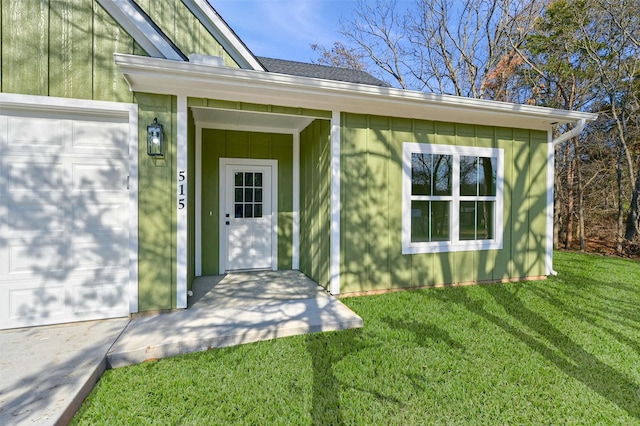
pixel 63 217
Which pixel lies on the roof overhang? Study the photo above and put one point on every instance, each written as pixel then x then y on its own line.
pixel 163 76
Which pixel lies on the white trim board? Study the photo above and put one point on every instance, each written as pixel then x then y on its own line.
pixel 334 240
pixel 143 30
pixel 551 155
pixel 182 203
pixel 171 77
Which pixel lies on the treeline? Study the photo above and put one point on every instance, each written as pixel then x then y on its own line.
pixel 569 54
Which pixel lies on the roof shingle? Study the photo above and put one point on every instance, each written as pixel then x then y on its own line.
pixel 325 72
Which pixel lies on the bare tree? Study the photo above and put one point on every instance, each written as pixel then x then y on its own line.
pixel 340 56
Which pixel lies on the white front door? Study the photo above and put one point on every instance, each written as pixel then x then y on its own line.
pixel 248 211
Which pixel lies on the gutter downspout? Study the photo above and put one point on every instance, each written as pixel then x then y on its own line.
pixel 571 134
pixel 563 137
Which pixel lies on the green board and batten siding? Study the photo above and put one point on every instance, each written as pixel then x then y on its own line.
pixel 72 54
pixel 371 205
pixel 315 201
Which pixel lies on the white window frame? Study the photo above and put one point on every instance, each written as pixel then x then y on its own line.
pixel 454 244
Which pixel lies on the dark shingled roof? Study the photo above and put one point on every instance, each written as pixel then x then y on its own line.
pixel 302 69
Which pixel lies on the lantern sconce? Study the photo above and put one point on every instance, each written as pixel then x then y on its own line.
pixel 155 139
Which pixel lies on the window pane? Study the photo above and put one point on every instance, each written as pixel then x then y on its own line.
pixel 442 171
pixel 248 210
pixel 420 221
pixel 258 195
pixel 440 221
pixel 421 174
pixel 485 220
pixel 248 179
pixel 238 178
pixel 468 176
pixel 487 175
pixel 238 195
pixel 248 194
pixel 257 210
pixel 476 220
pixel 258 179
pixel 239 210
pixel 468 220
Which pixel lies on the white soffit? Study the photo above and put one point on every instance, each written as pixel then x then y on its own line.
pixel 219 29
pixel 249 120
pixel 143 30
pixel 180 78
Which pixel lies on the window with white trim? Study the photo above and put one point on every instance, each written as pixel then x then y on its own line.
pixel 452 198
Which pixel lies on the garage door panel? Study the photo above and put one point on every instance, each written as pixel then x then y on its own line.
pixel 87 176
pixel 100 136
pixel 30 218
pixel 104 254
pixel 42 259
pixel 100 297
pixel 36 132
pixel 25 175
pixel 105 217
pixel 29 304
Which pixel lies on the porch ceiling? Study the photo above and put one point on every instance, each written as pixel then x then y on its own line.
pixel 249 120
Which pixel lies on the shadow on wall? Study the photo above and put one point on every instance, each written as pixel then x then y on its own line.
pixel 64 235
pixel 371 194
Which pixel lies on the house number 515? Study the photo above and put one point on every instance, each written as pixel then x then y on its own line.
pixel 182 190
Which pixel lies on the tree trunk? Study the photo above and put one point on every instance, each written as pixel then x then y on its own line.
pixel 581 235
pixel 620 205
pixel 571 158
pixel 633 219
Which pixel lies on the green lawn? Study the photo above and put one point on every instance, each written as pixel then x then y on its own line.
pixel 561 351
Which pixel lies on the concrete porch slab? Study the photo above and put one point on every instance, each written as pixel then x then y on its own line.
pixel 231 310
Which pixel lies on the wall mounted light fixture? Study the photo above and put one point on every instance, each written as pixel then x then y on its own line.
pixel 155 139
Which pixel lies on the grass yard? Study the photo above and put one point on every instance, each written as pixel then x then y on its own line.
pixel 561 351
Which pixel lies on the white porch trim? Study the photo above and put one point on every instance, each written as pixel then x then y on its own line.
pixel 295 255
pixel 182 202
pixel 551 156
pixel 334 240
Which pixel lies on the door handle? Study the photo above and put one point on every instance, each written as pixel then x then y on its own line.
pixel 227 222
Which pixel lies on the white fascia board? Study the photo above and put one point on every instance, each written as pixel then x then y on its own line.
pixel 219 29
pixel 138 26
pixel 175 78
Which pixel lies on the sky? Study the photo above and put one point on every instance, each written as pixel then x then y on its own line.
pixel 285 29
